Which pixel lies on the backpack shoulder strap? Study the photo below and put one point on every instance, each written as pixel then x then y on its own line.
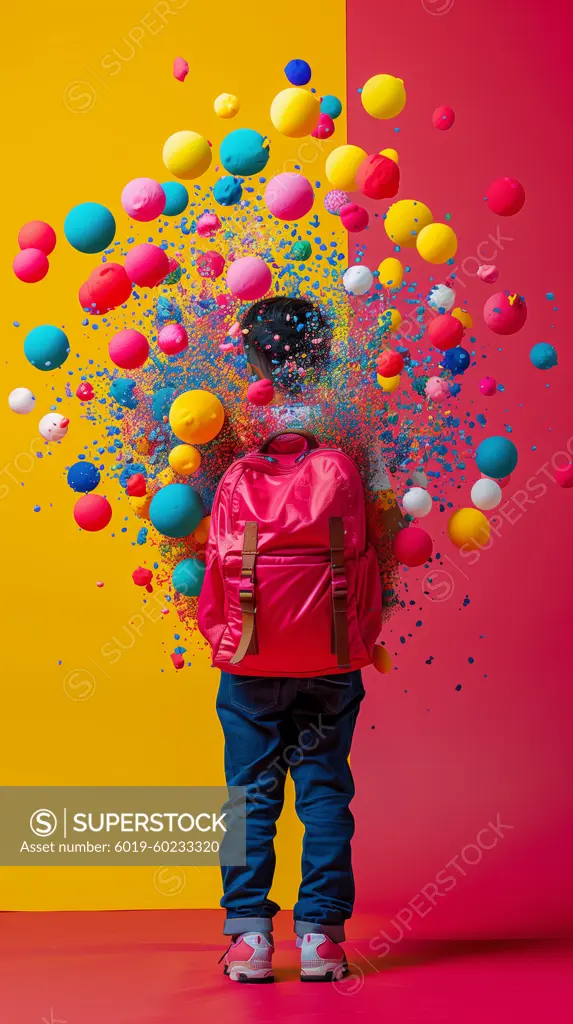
pixel 248 642
pixel 339 586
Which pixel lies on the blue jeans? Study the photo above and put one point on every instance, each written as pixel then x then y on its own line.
pixel 272 726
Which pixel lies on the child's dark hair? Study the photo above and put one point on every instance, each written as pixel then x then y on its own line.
pixel 285 337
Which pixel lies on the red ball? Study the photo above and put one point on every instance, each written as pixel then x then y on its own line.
pixel 30 265
pixel 389 364
pixel 36 234
pixel 87 302
pixel 564 476
pixel 260 392
pixel 505 312
pixel 136 485
pixel 443 118
pixel 412 546
pixel 324 128
pixel 109 286
pixel 172 339
pixel 445 331
pixel 354 218
pixel 505 196
pixel 85 391
pixel 128 349
pixel 211 264
pixel 92 512
pixel 378 177
pixel 146 265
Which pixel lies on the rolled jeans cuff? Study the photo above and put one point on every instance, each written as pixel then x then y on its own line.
pixel 332 931
pixel 237 925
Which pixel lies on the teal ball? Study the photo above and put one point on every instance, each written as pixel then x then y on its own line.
pixel 228 191
pixel 332 106
pixel 244 152
pixel 543 356
pixel 176 198
pixel 176 510
pixel 188 575
pixel 496 457
pixel 46 347
pixel 89 227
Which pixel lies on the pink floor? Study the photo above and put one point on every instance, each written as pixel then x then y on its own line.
pixel 161 968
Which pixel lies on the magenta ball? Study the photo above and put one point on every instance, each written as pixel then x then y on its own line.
pixel 334 200
pixel 505 313
pixel 146 265
pixel 354 217
pixel 143 199
pixel 109 286
pixel 261 392
pixel 30 265
pixel 92 512
pixel 443 118
pixel 505 196
pixel 172 339
pixel 36 234
pixel 128 349
pixel 445 331
pixel 324 128
pixel 488 386
pixel 249 278
pixel 289 196
pixel 412 546
pixel 211 264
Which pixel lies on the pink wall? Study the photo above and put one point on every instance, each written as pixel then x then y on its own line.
pixel 440 764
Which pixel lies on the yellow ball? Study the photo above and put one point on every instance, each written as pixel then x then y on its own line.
pixel 226 105
pixel 196 417
pixel 388 384
pixel 295 112
pixel 201 533
pixel 141 506
pixel 184 459
pixel 437 243
pixel 383 96
pixel 390 319
pixel 390 153
pixel 390 272
pixel 187 155
pixel 404 220
pixel 463 316
pixel 342 165
pixel 468 526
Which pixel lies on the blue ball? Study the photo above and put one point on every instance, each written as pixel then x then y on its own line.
pixel 161 403
pixel 176 198
pixel 46 347
pixel 244 152
pixel 543 356
pixel 332 106
pixel 456 360
pixel 89 227
pixel 121 391
pixel 496 457
pixel 298 72
pixel 455 389
pixel 228 191
pixel 188 575
pixel 83 477
pixel 176 510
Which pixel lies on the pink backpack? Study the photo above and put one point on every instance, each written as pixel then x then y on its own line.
pixel 292 585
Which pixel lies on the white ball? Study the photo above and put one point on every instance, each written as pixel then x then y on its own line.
pixel 53 426
pixel 358 280
pixel 441 297
pixel 417 502
pixel 420 478
pixel 21 400
pixel 486 494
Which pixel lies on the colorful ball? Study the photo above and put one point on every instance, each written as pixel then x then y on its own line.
pixel 342 166
pixel 227 191
pixel 187 155
pixel 226 105
pixel 390 273
pixel 143 199
pixel 53 426
pixel 196 417
pixel 488 273
pixel 389 363
pixel 92 512
pixel 445 331
pixel 468 527
pixel 354 218
pixel 505 312
pixel 87 301
pixel 443 118
pixel 456 360
pixel 298 72
pixel 496 457
pixel 417 502
pixel 437 389
pixel 176 198
pixel 89 227
pixel 260 392
pixel 176 510
pixel 180 69
pixel 335 200
pixel 244 152
pixel 30 265
pixel 22 401
pixel 441 298
pixel 201 533
pixel 412 546
pixel 358 279
pixel 388 384
pixel 505 196
pixel 83 477
pixel 301 250
pixel 381 660
pixel 289 196
pixel 437 243
pixel 404 220
pixel 464 317
pixel 331 106
pixel 172 339
pixel 543 356
pixel 128 349
pixel 324 129
pixel 46 347
pixel 383 96
pixel 146 265
pixel 488 386
pixel 161 404
pixel 210 264
pixel 390 319
pixel 295 112
pixel 108 286
pixel 249 278
pixel 486 494
pixel 207 225
pixel 36 234
pixel 184 459
pixel 378 177
pixel 188 576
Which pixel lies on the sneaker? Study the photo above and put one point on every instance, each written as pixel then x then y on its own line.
pixel 249 958
pixel 321 959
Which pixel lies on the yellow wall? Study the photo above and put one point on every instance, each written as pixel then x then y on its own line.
pixel 78 123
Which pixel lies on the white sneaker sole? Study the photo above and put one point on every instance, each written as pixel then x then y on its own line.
pixel 329 971
pixel 244 973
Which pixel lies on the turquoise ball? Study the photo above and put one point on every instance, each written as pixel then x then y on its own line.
pixel 176 198
pixel 228 191
pixel 188 575
pixel 176 510
pixel 543 356
pixel 496 457
pixel 332 106
pixel 244 152
pixel 89 227
pixel 46 347
pixel 162 402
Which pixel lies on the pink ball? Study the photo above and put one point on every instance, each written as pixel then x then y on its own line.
pixel 128 349
pixel 180 69
pixel 36 234
pixel 109 286
pixel 249 278
pixel 488 386
pixel 92 512
pixel 488 273
pixel 324 128
pixel 564 476
pixel 146 265
pixel 289 196
pixel 445 331
pixel 412 546
pixel 30 265
pixel 211 264
pixel 172 339
pixel 208 224
pixel 505 312
pixel 354 218
pixel 443 118
pixel 505 196
pixel 261 392
pixel 437 389
pixel 334 200
pixel 143 199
